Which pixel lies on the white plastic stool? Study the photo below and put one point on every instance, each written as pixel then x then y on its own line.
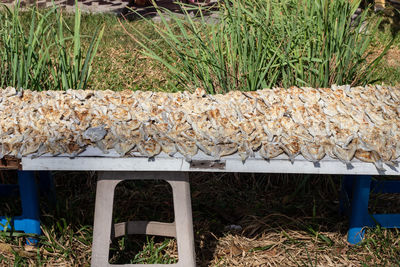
pixel 181 229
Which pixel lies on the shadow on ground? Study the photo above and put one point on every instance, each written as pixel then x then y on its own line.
pixel 134 12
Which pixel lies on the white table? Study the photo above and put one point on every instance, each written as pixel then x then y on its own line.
pixel 114 169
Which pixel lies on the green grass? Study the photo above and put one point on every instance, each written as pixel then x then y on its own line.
pixel 387 71
pixel 73 72
pixel 118 64
pixel 121 65
pixel 148 253
pixel 260 44
pixel 35 50
pixel 133 70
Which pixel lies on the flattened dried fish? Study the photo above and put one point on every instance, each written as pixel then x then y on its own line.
pixel 342 122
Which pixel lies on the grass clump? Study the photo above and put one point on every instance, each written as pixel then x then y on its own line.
pixel 73 72
pixel 259 44
pixel 24 58
pixel 39 58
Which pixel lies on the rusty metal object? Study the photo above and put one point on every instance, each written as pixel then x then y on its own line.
pixel 10 163
pixel 207 164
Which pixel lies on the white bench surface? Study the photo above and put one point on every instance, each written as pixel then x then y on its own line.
pixel 95 160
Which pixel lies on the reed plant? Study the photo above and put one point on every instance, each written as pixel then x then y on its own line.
pixel 261 44
pixel 24 56
pixel 35 55
pixel 73 71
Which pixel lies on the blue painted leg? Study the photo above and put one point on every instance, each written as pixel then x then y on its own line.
pixel 354 198
pixel 29 221
pixel 385 187
pixel 359 209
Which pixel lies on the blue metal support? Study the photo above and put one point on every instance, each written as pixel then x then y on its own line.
pixel 359 217
pixel 354 199
pixel 385 187
pixel 29 221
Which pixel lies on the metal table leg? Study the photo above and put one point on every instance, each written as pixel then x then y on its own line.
pixel 29 221
pixel 362 186
pixel 359 217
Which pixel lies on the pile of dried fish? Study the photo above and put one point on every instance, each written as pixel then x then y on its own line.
pixel 341 122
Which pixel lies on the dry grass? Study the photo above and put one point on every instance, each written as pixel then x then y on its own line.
pixel 120 67
pixel 391 59
pixel 285 220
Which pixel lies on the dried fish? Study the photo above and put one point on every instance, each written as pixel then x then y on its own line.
pixel 341 122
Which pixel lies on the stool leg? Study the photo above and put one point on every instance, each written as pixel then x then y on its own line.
pixel 103 221
pixel 359 209
pixel 29 222
pixel 182 208
pixel 183 218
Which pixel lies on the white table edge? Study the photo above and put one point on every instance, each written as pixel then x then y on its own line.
pixel 179 164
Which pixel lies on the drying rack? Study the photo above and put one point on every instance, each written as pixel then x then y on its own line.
pixel 113 169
